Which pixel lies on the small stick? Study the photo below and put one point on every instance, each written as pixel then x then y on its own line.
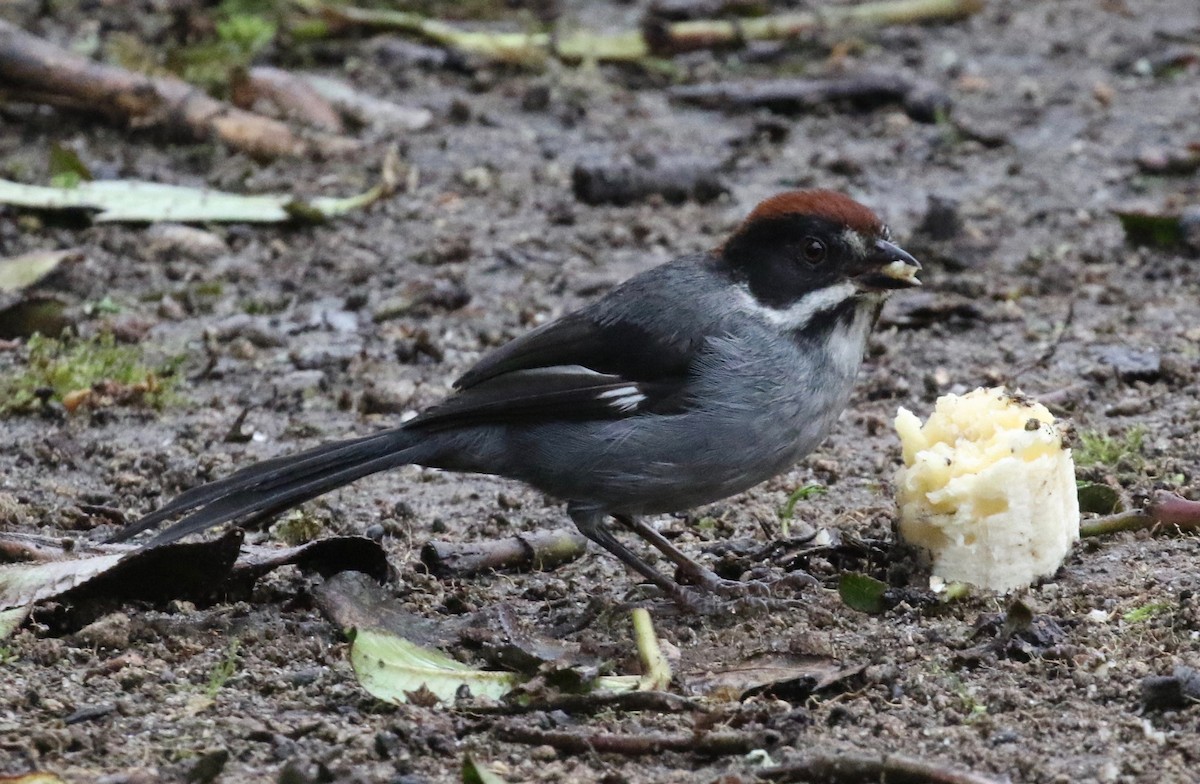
pixel 637 45
pixel 1165 509
pixel 710 744
pixel 594 702
pixel 292 96
pixel 674 179
pixel 34 69
pixel 540 551
pixel 709 33
pixel 367 109
pixel 922 101
pixel 1044 359
pixel 856 767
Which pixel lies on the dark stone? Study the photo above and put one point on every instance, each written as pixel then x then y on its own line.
pixel 1177 690
pixel 1131 364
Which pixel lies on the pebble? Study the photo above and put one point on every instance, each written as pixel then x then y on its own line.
pixel 298 382
pixel 320 355
pixel 257 329
pixel 387 397
pixel 1131 364
pixel 110 631
pixel 173 239
pixel 1177 690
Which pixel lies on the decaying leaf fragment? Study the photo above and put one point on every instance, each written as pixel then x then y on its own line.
pixel 152 202
pixel 181 570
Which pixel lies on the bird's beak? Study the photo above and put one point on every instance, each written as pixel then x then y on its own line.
pixel 889 267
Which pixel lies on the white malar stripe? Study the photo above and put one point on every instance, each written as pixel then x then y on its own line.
pixel 802 310
pixel 623 399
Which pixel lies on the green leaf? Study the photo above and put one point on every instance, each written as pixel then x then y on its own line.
pixel 20 272
pixel 1148 228
pixel 475 773
pixel 389 667
pixel 863 593
pixel 150 202
pixel 799 494
pixel 66 169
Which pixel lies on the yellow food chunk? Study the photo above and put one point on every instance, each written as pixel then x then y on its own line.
pixel 988 489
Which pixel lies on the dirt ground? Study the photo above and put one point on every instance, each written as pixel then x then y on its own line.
pixel 328 331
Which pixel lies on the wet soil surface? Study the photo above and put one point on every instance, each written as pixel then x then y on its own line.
pixel 338 329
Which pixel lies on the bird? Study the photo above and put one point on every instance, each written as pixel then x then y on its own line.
pixel 689 383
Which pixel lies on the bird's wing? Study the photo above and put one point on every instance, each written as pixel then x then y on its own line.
pixel 616 346
pixel 574 368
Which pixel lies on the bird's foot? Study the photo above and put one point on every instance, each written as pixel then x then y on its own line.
pixel 718 596
pixel 714 605
pixel 710 582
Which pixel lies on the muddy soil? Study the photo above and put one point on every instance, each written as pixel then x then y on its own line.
pixel 328 331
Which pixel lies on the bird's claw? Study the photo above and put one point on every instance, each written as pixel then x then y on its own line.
pixel 718 596
pixel 739 589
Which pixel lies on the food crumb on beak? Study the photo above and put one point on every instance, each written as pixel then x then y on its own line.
pixel 902 270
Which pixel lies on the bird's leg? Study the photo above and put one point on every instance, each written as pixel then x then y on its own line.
pixel 590 523
pixel 697 573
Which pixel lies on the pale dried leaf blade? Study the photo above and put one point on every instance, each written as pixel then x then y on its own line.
pixel 23 584
pixel 11 620
pixel 152 202
pixel 367 109
pixel 389 667
pixel 37 777
pixel 21 272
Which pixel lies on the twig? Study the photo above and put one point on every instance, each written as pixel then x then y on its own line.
pixel 659 39
pixel 710 33
pixel 624 182
pixel 34 69
pixel 594 702
pixel 1047 355
pixel 924 102
pixel 291 95
pixel 856 767
pixel 17 548
pixel 1165 509
pixel 367 109
pixel 710 744
pixel 542 550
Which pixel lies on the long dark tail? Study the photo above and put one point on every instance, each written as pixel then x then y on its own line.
pixel 272 486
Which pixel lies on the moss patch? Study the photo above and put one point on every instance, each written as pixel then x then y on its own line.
pixel 77 372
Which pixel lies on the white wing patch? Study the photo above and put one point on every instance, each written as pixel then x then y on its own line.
pixel 623 399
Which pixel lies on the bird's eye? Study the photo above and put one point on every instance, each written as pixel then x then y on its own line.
pixel 813 250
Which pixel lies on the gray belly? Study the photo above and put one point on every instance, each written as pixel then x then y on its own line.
pixel 653 464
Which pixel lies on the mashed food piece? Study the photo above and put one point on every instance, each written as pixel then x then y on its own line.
pixel 988 489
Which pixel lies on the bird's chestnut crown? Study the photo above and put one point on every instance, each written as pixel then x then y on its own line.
pixel 801 241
